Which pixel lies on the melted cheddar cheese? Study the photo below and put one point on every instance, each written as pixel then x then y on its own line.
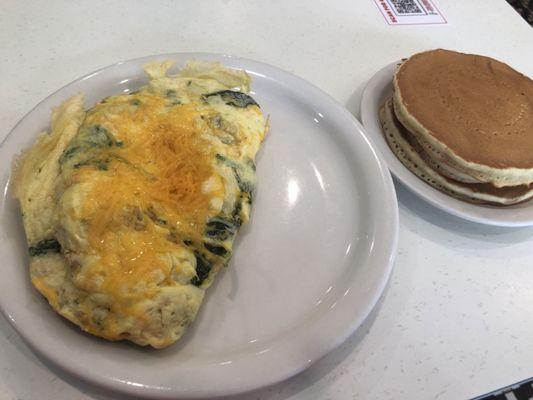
pixel 143 196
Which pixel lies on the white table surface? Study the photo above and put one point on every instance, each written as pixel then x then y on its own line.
pixel 457 317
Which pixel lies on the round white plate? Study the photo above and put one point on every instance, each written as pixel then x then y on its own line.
pixel 379 89
pixel 306 271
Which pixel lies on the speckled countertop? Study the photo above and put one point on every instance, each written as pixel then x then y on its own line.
pixel 455 319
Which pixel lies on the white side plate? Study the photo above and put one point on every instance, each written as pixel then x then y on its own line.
pixel 306 271
pixel 379 89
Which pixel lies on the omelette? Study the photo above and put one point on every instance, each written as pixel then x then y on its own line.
pixel 130 208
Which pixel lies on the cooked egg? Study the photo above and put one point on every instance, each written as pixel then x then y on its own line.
pixel 131 207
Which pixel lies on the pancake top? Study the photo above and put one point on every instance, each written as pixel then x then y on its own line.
pixel 478 107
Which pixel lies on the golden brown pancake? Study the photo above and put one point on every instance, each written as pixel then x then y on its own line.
pixel 441 162
pixel 474 110
pixel 406 147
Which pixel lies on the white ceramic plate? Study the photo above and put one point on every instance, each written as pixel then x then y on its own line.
pixel 306 271
pixel 377 90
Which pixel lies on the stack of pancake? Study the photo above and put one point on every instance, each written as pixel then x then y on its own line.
pixel 464 124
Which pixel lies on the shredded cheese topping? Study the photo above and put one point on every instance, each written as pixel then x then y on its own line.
pixel 166 164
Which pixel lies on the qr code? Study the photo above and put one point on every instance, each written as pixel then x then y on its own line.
pixel 406 7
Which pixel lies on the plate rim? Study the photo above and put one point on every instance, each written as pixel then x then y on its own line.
pixel 386 256
pixel 376 85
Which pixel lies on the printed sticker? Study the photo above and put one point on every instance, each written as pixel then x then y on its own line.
pixel 410 12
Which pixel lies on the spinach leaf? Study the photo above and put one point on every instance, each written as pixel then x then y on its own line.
pixel 216 249
pixel 233 98
pixel 88 138
pixel 245 186
pixel 202 269
pixel 237 213
pixel 45 246
pixel 251 164
pixel 68 153
pixel 88 142
pixel 98 136
pixel 100 164
pixel 220 228
pixel 224 130
pixel 238 170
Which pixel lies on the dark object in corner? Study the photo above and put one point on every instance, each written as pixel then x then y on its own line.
pixel 524 8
